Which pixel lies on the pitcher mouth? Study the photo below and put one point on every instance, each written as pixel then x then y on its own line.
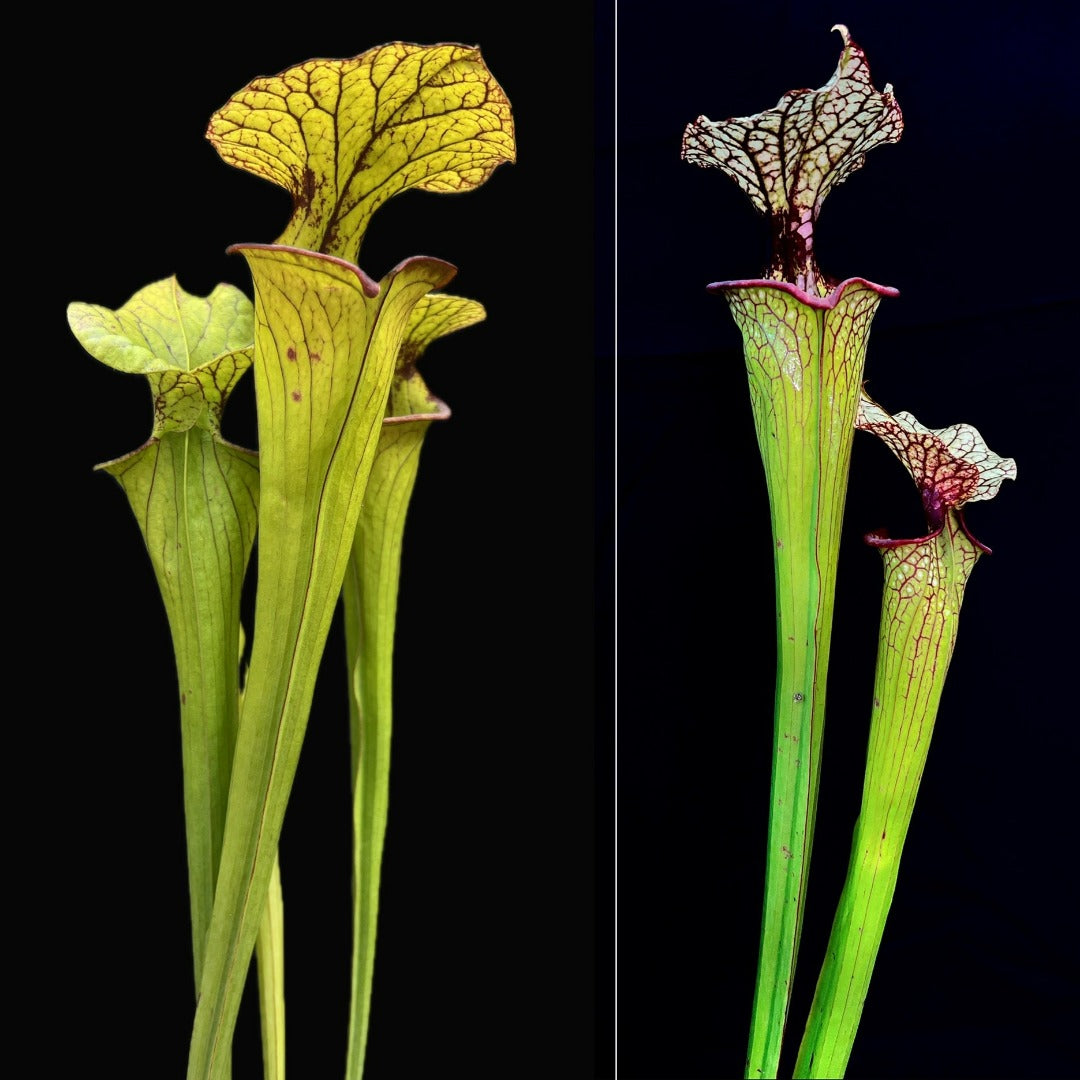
pixel 824 303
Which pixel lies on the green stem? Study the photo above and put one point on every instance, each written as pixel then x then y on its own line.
pixel 326 340
pixel 196 504
pixel 804 360
pixel 270 966
pixel 924 587
pixel 370 602
pixel 803 639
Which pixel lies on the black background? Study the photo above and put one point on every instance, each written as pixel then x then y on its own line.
pixel 967 216
pixel 486 956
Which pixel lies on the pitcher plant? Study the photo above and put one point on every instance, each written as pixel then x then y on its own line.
pixel 339 402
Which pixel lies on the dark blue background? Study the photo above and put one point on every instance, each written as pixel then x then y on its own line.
pixel 969 217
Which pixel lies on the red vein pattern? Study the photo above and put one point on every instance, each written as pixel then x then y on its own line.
pixel 789 157
pixel 951 466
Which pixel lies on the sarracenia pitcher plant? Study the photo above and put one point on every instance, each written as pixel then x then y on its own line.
pixel 339 403
pixel 804 341
pixel 924 587
pixel 370 604
pixel 804 338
